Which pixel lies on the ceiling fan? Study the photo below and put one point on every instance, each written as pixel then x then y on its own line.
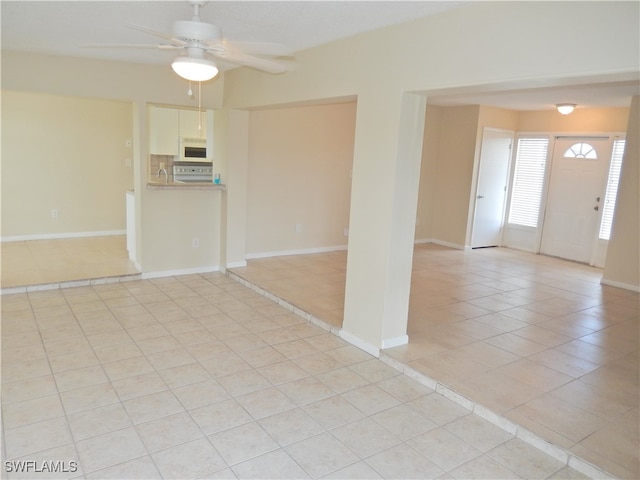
pixel 197 40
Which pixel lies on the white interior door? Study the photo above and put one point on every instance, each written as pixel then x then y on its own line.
pixel 488 219
pixel 575 197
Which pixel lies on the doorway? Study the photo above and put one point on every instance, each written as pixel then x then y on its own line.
pixel 575 197
pixel 493 174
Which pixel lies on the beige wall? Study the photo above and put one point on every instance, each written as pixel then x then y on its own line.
pixel 454 173
pixel 436 54
pixel 581 120
pixel 424 55
pixel 157 211
pixel 451 151
pixel 450 136
pixel 622 267
pixel 428 179
pixel 79 77
pixel 68 154
pixel 299 168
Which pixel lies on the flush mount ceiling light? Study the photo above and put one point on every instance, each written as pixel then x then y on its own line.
pixel 195 69
pixel 565 108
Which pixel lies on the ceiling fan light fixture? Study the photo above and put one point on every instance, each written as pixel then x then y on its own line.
pixel 565 108
pixel 195 69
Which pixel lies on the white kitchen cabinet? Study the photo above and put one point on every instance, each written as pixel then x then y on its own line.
pixel 193 124
pixel 164 128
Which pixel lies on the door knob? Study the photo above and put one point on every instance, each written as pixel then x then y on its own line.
pixel 596 208
pixel 480 196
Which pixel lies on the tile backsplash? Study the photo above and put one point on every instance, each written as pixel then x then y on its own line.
pixel 154 166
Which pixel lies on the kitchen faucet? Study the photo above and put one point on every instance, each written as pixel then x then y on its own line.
pixel 166 175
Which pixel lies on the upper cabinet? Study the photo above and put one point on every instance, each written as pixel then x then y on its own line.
pixel 193 124
pixel 164 127
pixel 167 125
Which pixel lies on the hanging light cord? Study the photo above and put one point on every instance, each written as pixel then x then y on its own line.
pixel 200 106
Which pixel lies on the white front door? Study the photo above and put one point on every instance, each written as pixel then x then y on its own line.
pixel 575 197
pixel 491 193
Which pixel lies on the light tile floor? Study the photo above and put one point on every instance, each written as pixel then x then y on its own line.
pixel 201 377
pixel 536 340
pixel 101 374
pixel 36 262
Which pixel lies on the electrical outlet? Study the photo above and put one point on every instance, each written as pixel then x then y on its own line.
pixel 346 232
pixel 161 165
pixel 298 227
pixel 195 243
pixel 54 213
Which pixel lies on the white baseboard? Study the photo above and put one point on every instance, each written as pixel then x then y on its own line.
pixel 303 251
pixel 184 271
pixel 395 342
pixel 337 248
pixel 626 286
pixel 236 264
pixel 448 244
pixel 358 342
pixel 54 236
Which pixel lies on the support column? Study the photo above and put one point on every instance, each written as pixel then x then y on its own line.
pixel 140 173
pixel 386 173
pixel 234 228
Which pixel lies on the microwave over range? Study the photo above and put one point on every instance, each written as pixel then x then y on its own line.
pixel 193 150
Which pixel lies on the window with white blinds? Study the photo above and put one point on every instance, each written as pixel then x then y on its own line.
pixel 609 205
pixel 528 181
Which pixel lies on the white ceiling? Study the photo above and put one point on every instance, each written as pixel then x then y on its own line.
pixel 62 27
pixel 586 95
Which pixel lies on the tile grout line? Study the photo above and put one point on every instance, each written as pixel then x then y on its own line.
pixel 561 454
pixel 525 435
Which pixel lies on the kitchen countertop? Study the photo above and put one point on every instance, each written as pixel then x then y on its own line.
pixel 185 186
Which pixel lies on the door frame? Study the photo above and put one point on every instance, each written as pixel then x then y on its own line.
pixel 605 142
pixel 553 137
pixel 510 162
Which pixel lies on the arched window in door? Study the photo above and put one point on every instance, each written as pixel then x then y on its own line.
pixel 581 150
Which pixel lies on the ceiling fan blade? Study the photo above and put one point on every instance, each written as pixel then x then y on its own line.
pixel 258 48
pixel 166 36
pixel 266 65
pixel 133 45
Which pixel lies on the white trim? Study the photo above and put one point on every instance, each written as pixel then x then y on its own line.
pixel 52 236
pixel 184 271
pixel 395 342
pixel 454 396
pixel 236 264
pixel 303 251
pixel 358 342
pixel 450 245
pixel 440 389
pixel 626 286
pixel 70 284
pixel 586 468
pixel 543 445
